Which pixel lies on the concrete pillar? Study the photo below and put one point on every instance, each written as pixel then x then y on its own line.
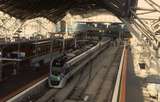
pixel 58 27
pixel 158 52
pixel 63 49
pixel 75 42
pixel 63 26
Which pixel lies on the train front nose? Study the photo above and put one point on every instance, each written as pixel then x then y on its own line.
pixel 55 80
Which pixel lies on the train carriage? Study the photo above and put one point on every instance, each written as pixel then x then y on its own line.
pixel 29 54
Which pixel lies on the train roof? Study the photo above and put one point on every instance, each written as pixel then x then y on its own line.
pixel 34 42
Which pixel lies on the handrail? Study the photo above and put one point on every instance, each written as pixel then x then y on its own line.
pixel 120 85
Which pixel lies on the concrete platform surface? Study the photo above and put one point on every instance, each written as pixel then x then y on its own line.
pixel 133 84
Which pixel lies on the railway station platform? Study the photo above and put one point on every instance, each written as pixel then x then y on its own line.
pixel 133 83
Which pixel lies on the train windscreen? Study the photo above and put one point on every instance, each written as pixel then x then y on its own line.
pixel 58 63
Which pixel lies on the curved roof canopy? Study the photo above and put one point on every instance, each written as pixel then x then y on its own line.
pixel 56 9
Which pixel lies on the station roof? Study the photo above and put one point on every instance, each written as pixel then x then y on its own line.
pixel 54 10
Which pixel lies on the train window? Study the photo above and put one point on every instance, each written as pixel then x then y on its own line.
pixel 17 55
pixel 58 63
pixel 56 72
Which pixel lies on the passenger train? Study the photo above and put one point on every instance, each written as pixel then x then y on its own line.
pixel 62 68
pixel 29 54
pixel 21 51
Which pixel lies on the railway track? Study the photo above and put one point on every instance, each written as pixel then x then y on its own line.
pixel 96 89
pixel 105 91
pixel 14 86
pixel 23 81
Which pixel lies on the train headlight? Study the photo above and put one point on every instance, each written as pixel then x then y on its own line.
pixel 56 78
